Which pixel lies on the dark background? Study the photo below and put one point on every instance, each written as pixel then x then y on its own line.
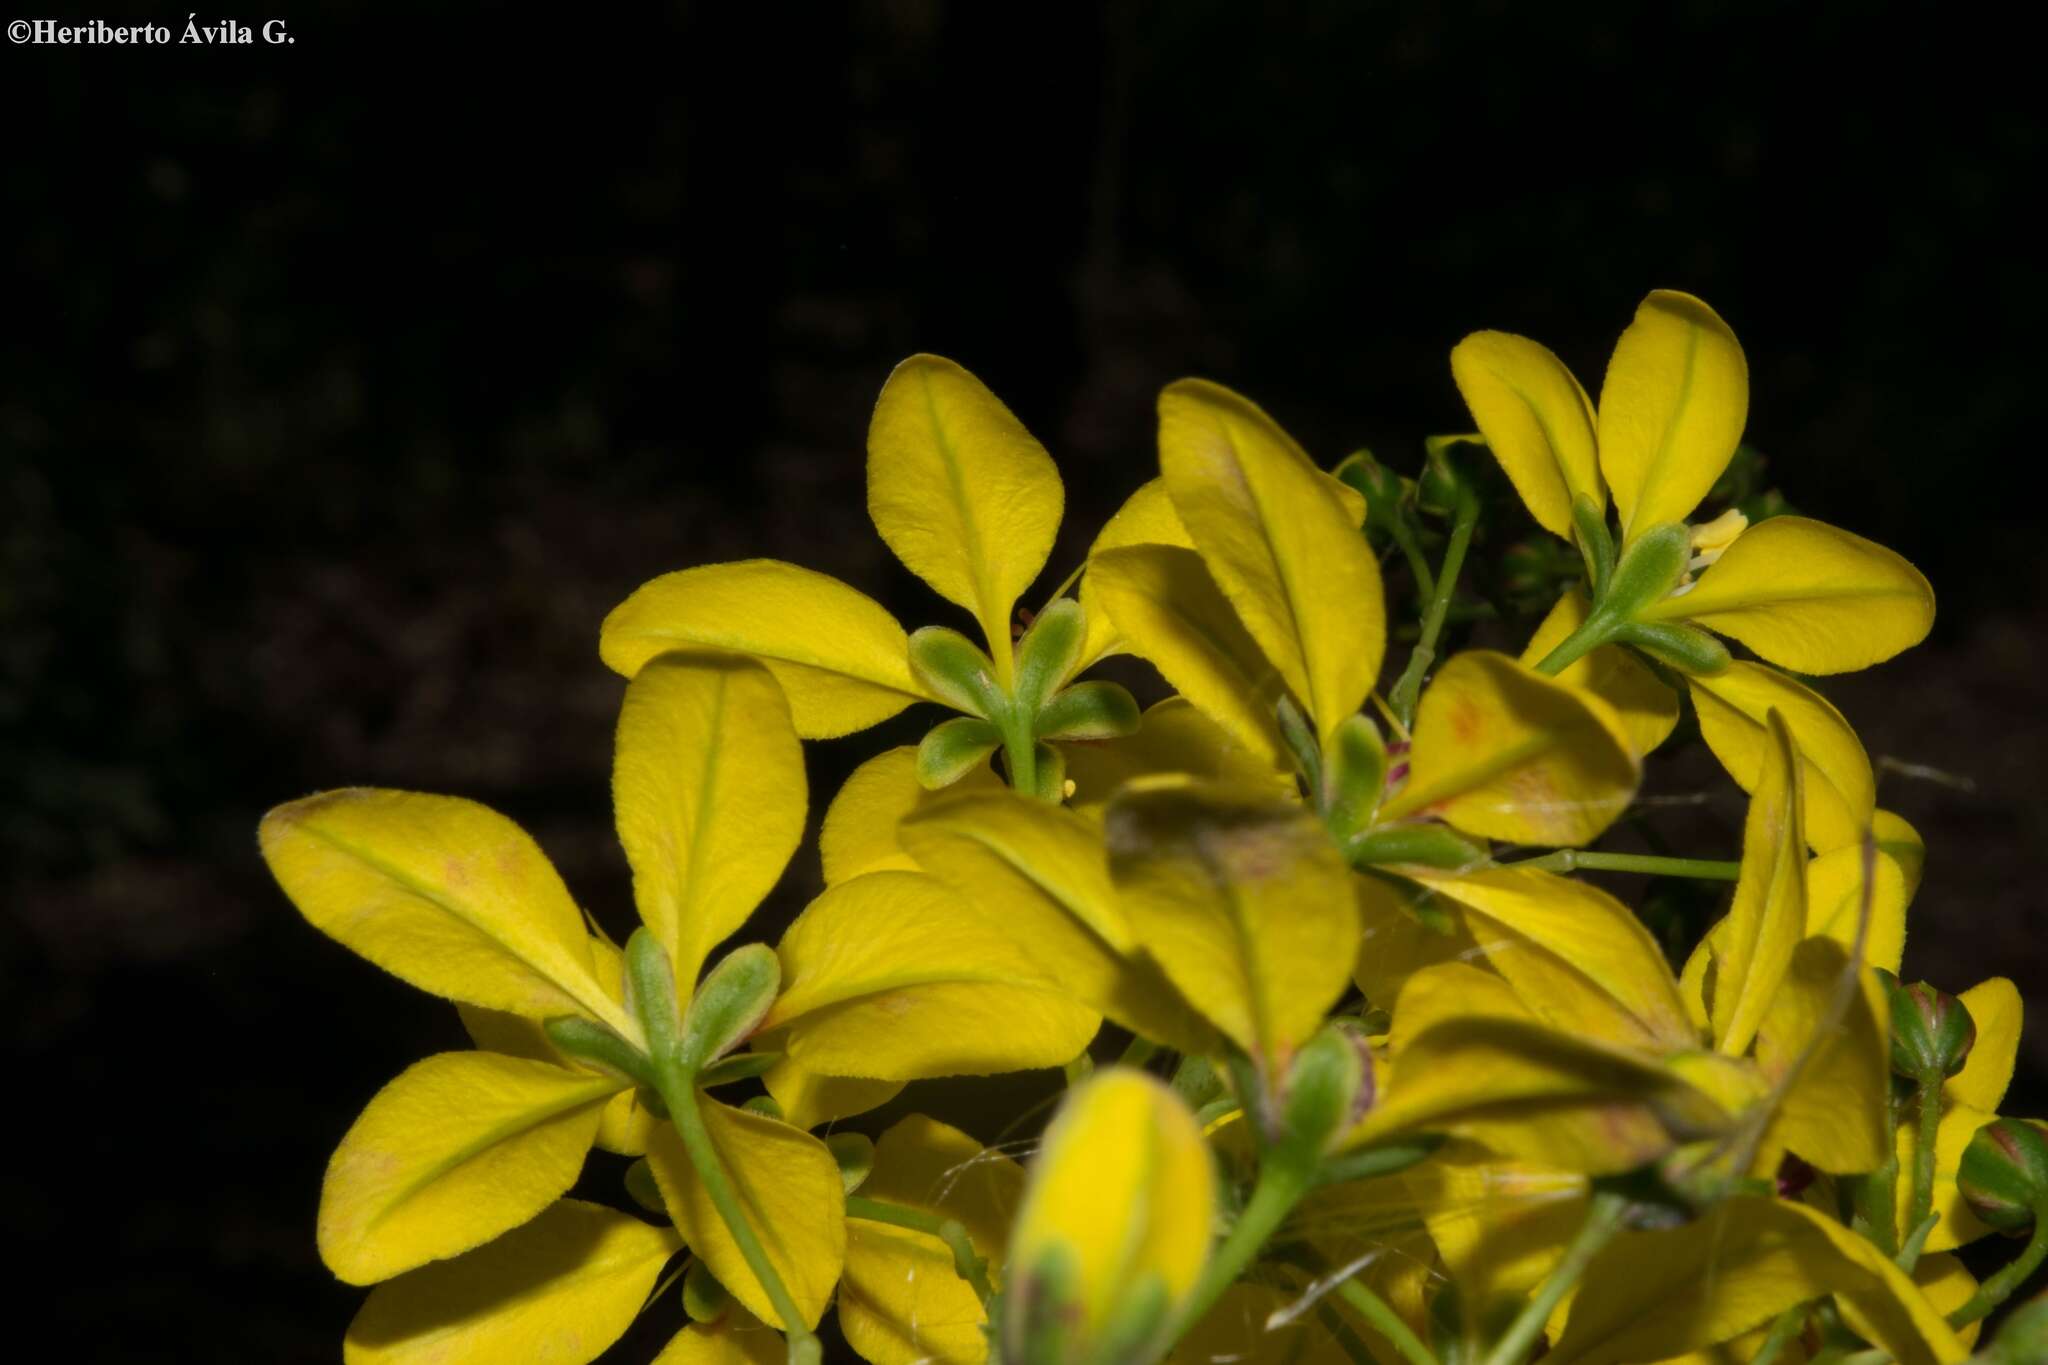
pixel 346 385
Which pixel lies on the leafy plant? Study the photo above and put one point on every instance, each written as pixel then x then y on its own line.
pixel 1395 1083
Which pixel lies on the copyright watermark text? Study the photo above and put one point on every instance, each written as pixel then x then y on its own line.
pixel 98 32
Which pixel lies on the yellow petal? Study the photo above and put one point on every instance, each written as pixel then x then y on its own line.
pixel 1902 842
pixel 1809 597
pixel 1504 752
pixel 901 1301
pixel 1672 410
pixel 810 1099
pixel 961 492
pixel 1841 792
pixel 842 659
pixel 1648 709
pixel 1834 1075
pixel 1652 1295
pixel 1243 901
pixel 1578 957
pixel 1948 1285
pixel 789 1185
pixel 1174 738
pixel 562 1289
pixel 1146 518
pixel 859 833
pixel 1042 874
pixel 708 788
pixel 1536 418
pixel 1395 943
pixel 1835 898
pixel 1959 1225
pixel 445 893
pixel 1499 1225
pixel 1169 611
pixel 1239 1331
pixel 898 976
pixel 1768 917
pixel 1994 1007
pixel 738 1338
pixel 1280 543
pixel 461 1147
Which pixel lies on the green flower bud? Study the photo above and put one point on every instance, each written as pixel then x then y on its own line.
pixel 1380 485
pixel 2004 1173
pixel 729 1005
pixel 1114 1227
pixel 1449 476
pixel 1932 1031
pixel 1329 1088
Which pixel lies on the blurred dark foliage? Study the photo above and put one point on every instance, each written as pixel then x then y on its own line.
pixel 346 385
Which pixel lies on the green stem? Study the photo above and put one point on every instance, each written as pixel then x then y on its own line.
pixel 1999 1287
pixel 679 1091
pixel 1418 563
pixel 1384 1320
pixel 1409 686
pixel 969 1264
pixel 1140 1051
pixel 1347 1340
pixel 1596 631
pixel 1603 1220
pixel 1020 758
pixel 1924 1140
pixel 1279 1188
pixel 1572 859
pixel 1783 1330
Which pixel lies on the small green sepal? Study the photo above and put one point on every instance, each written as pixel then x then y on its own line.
pixel 704 1298
pixel 730 1004
pixel 952 749
pixel 855 1153
pixel 1088 710
pixel 1329 1078
pixel 651 993
pixel 1049 653
pixel 1430 845
pixel 1595 543
pixel 957 672
pixel 594 1045
pixel 1647 573
pixel 1686 648
pixel 740 1066
pixel 1354 777
pixel 640 1183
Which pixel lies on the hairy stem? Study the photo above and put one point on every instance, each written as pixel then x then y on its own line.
pixel 1384 1320
pixel 1280 1187
pixel 969 1264
pixel 1924 1139
pixel 1408 687
pixel 1999 1287
pixel 1572 859
pixel 1603 1220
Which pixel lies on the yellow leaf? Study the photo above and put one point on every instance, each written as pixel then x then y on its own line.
pixel 738 1338
pixel 1504 752
pixel 1809 597
pixel 1169 611
pixel 1174 738
pixel 1672 409
pixel 1578 957
pixel 842 659
pixel 1146 518
pixel 1834 1074
pixel 901 1301
pixel 1948 1285
pixel 1536 418
pixel 789 1186
pixel 1647 708
pixel 444 893
pixel 1243 901
pixel 708 789
pixel 1994 1007
pixel 961 492
pixel 1841 792
pixel 859 834
pixel 810 1099
pixel 1768 917
pixel 1280 543
pixel 559 1290
pixel 1043 875
pixel 897 976
pixel 1959 1225
pixel 461 1147
pixel 1651 1295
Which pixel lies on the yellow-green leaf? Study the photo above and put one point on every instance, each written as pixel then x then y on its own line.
pixel 1672 409
pixel 859 834
pixel 1504 752
pixel 461 1147
pixel 1042 873
pixel 1834 1073
pixel 1174 738
pixel 1242 900
pixel 789 1186
pixel 445 893
pixel 843 661
pixel 738 1338
pixel 1168 610
pixel 898 976
pixel 961 492
pixel 1648 709
pixel 561 1289
pixel 901 1301
pixel 1768 917
pixel 1280 543
pixel 1578 957
pixel 1994 1007
pixel 1841 791
pixel 1536 418
pixel 1654 1295
pixel 1146 518
pixel 708 790
pixel 1809 597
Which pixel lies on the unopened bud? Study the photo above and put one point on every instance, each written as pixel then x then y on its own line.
pixel 1449 476
pixel 2004 1173
pixel 1114 1227
pixel 1329 1088
pixel 1932 1031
